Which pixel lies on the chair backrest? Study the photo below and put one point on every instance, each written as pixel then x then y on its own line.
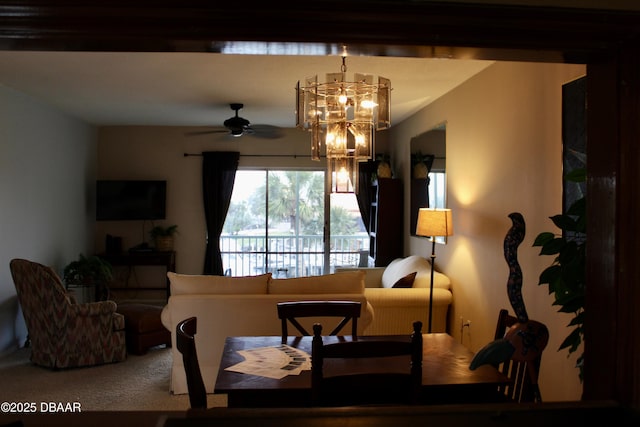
pixel 505 321
pixel 33 279
pixel 62 333
pixel 289 312
pixel 186 343
pixel 374 378
pixel 524 365
pixel 43 299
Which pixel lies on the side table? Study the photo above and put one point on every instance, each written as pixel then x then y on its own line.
pixel 132 259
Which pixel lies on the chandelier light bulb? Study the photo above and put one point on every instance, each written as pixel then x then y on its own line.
pixel 367 103
pixel 343 175
pixel 337 142
pixel 331 138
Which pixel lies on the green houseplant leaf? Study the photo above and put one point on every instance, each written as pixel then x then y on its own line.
pixel 566 276
pixel 89 271
pixel 160 231
pixel 163 237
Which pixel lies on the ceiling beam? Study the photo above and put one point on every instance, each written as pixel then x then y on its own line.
pixel 387 28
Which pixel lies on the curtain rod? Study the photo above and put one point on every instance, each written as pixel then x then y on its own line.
pixel 256 155
pixel 270 155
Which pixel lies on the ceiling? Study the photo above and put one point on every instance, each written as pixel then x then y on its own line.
pixel 195 89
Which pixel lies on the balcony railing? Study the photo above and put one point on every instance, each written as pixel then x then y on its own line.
pixel 290 256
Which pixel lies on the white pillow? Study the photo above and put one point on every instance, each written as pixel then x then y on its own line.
pixel 209 284
pixel 347 282
pixel 400 267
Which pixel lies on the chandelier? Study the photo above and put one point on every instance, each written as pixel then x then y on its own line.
pixel 343 114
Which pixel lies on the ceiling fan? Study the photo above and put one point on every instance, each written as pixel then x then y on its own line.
pixel 237 126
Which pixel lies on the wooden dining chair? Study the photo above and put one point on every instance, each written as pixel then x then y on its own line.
pixel 524 365
pixel 185 341
pixel 371 382
pixel 505 321
pixel 289 312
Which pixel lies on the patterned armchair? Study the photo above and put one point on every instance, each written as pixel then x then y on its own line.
pixel 65 334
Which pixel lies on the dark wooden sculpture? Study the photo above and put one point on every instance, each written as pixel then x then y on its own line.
pixel 523 342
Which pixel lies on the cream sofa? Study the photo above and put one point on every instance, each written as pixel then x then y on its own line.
pixel 396 309
pixel 244 306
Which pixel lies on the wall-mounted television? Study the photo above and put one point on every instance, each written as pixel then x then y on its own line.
pixel 119 200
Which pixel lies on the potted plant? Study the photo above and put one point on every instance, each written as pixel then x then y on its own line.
pixel 384 166
pixel 566 276
pixel 163 237
pixel 89 271
pixel 421 164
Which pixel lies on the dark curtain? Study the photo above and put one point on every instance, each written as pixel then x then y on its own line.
pixel 218 175
pixel 366 170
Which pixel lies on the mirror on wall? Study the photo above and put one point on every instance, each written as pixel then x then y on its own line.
pixel 428 173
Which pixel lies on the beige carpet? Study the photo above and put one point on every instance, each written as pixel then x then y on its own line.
pixel 140 383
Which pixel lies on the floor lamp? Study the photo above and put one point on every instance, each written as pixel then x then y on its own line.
pixel 433 223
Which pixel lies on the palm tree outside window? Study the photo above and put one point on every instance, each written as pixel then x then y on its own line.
pixel 276 223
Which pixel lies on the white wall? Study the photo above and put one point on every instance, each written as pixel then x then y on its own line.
pixel 504 154
pixel 47 175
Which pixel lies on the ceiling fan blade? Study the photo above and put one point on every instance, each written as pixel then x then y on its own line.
pixel 206 132
pixel 265 131
pixel 237 126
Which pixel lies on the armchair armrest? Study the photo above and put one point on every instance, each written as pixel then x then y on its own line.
pixel 406 297
pixel 105 311
pixel 395 309
pixel 98 308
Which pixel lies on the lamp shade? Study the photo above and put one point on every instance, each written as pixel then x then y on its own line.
pixel 434 222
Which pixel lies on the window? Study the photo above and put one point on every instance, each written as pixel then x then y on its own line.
pixel 437 190
pixel 276 223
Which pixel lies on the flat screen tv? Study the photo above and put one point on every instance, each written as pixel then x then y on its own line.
pixel 119 200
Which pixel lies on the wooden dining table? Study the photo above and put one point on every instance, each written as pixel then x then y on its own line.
pixel 446 377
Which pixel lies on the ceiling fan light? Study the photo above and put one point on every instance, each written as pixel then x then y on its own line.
pixel 236 125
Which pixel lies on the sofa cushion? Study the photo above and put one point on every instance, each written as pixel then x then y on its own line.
pixel 209 284
pixel 400 267
pixel 406 281
pixel 372 275
pixel 348 282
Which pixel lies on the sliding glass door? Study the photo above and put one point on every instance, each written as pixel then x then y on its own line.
pixel 277 223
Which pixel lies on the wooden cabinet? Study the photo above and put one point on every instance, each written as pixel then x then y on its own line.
pixel 386 221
